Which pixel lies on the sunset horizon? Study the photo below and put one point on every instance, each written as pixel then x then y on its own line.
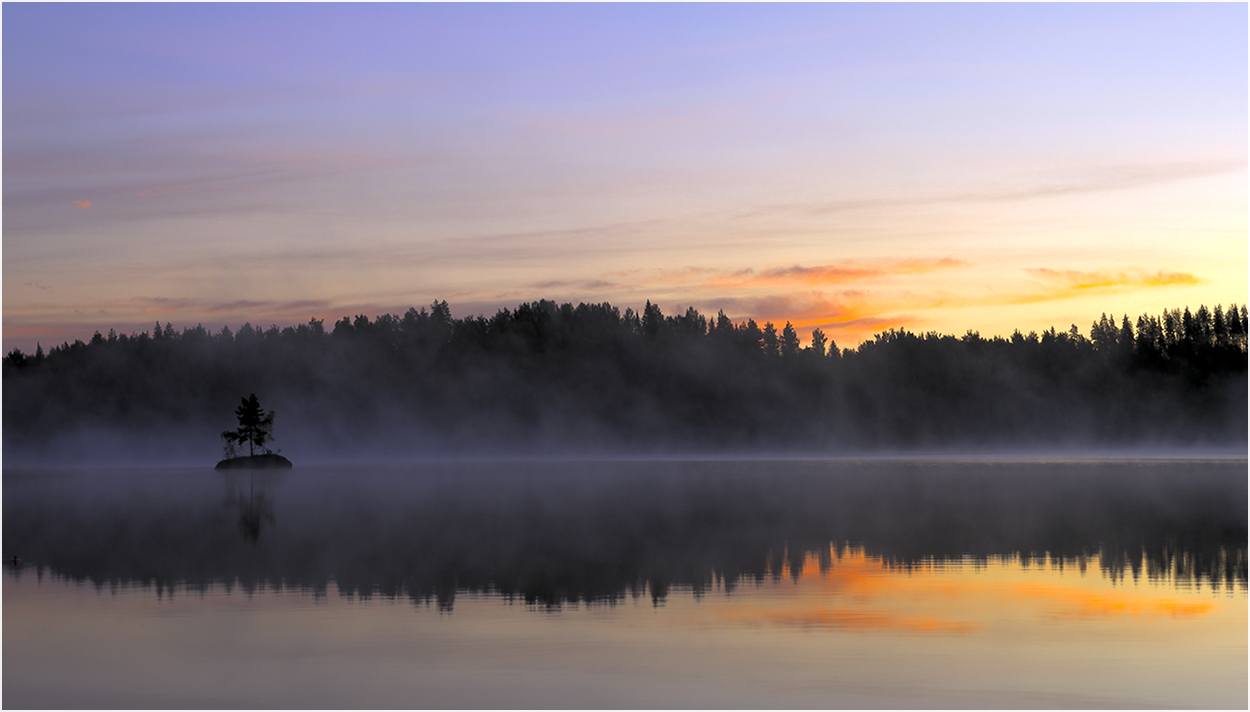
pixel 625 356
pixel 853 168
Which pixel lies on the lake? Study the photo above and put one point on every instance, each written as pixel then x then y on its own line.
pixel 1004 583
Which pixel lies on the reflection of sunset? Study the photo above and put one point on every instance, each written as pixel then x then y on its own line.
pixel 858 592
pixel 1075 603
pixel 843 619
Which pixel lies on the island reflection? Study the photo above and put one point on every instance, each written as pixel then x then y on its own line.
pixel 552 534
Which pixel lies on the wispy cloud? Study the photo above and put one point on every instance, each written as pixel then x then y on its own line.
pixel 589 285
pixel 190 308
pixel 789 276
pixel 849 317
pixel 1109 178
pixel 843 299
pixel 214 174
pixel 832 274
pixel 1075 279
pixel 1097 180
pixel 158 191
pixel 1063 284
pixel 268 309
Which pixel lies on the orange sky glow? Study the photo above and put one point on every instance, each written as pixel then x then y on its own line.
pixel 849 167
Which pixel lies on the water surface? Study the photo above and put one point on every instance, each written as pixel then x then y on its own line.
pixel 637 584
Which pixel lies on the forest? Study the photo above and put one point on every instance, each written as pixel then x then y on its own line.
pixel 557 379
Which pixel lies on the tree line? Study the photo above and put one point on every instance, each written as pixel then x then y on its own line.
pixel 551 533
pixel 547 376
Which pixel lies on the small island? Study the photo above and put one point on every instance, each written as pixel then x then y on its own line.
pixel 268 460
pixel 255 429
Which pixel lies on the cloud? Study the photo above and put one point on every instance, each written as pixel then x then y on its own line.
pixel 1112 178
pixel 1074 279
pixel 1096 180
pixel 157 191
pixel 820 296
pixel 808 296
pixel 849 319
pixel 498 247
pixel 191 309
pixel 158 305
pixel 788 276
pixel 833 274
pixel 1063 284
pixel 264 309
pixel 586 284
pixel 216 175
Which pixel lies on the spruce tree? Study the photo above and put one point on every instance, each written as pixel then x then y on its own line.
pixel 255 427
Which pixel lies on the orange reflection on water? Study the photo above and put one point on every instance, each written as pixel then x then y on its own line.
pixel 844 619
pixel 858 592
pixel 1082 604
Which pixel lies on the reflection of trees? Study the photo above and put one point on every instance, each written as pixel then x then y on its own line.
pixel 549 534
pixel 254 510
pixel 254 502
pixel 1217 567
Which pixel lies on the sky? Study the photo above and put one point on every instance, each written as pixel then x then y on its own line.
pixel 852 167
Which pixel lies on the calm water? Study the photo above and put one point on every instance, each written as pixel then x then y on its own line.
pixel 643 584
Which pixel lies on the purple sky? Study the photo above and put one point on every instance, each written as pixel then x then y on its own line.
pixel 855 167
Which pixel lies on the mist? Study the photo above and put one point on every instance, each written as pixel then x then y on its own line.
pixel 548 380
pixel 549 533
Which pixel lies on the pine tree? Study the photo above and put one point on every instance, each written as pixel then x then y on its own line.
pixel 1126 336
pixel 1232 319
pixel 1219 329
pixel 1170 328
pixel 255 427
pixel 789 341
pixel 1104 334
pixel 1202 325
pixel 818 342
pixel 652 319
pixel 770 339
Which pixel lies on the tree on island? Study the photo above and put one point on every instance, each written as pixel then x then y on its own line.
pixel 255 428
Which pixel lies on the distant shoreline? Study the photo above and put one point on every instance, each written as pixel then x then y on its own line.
pixel 560 381
pixel 970 457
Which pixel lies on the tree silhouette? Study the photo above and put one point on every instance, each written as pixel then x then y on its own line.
pixel 789 341
pixel 549 376
pixel 255 427
pixel 818 342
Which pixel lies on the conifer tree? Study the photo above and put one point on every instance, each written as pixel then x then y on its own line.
pixel 255 427
pixel 818 342
pixel 789 341
pixel 770 339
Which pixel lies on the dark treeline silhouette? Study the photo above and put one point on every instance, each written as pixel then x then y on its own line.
pixel 599 532
pixel 547 378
